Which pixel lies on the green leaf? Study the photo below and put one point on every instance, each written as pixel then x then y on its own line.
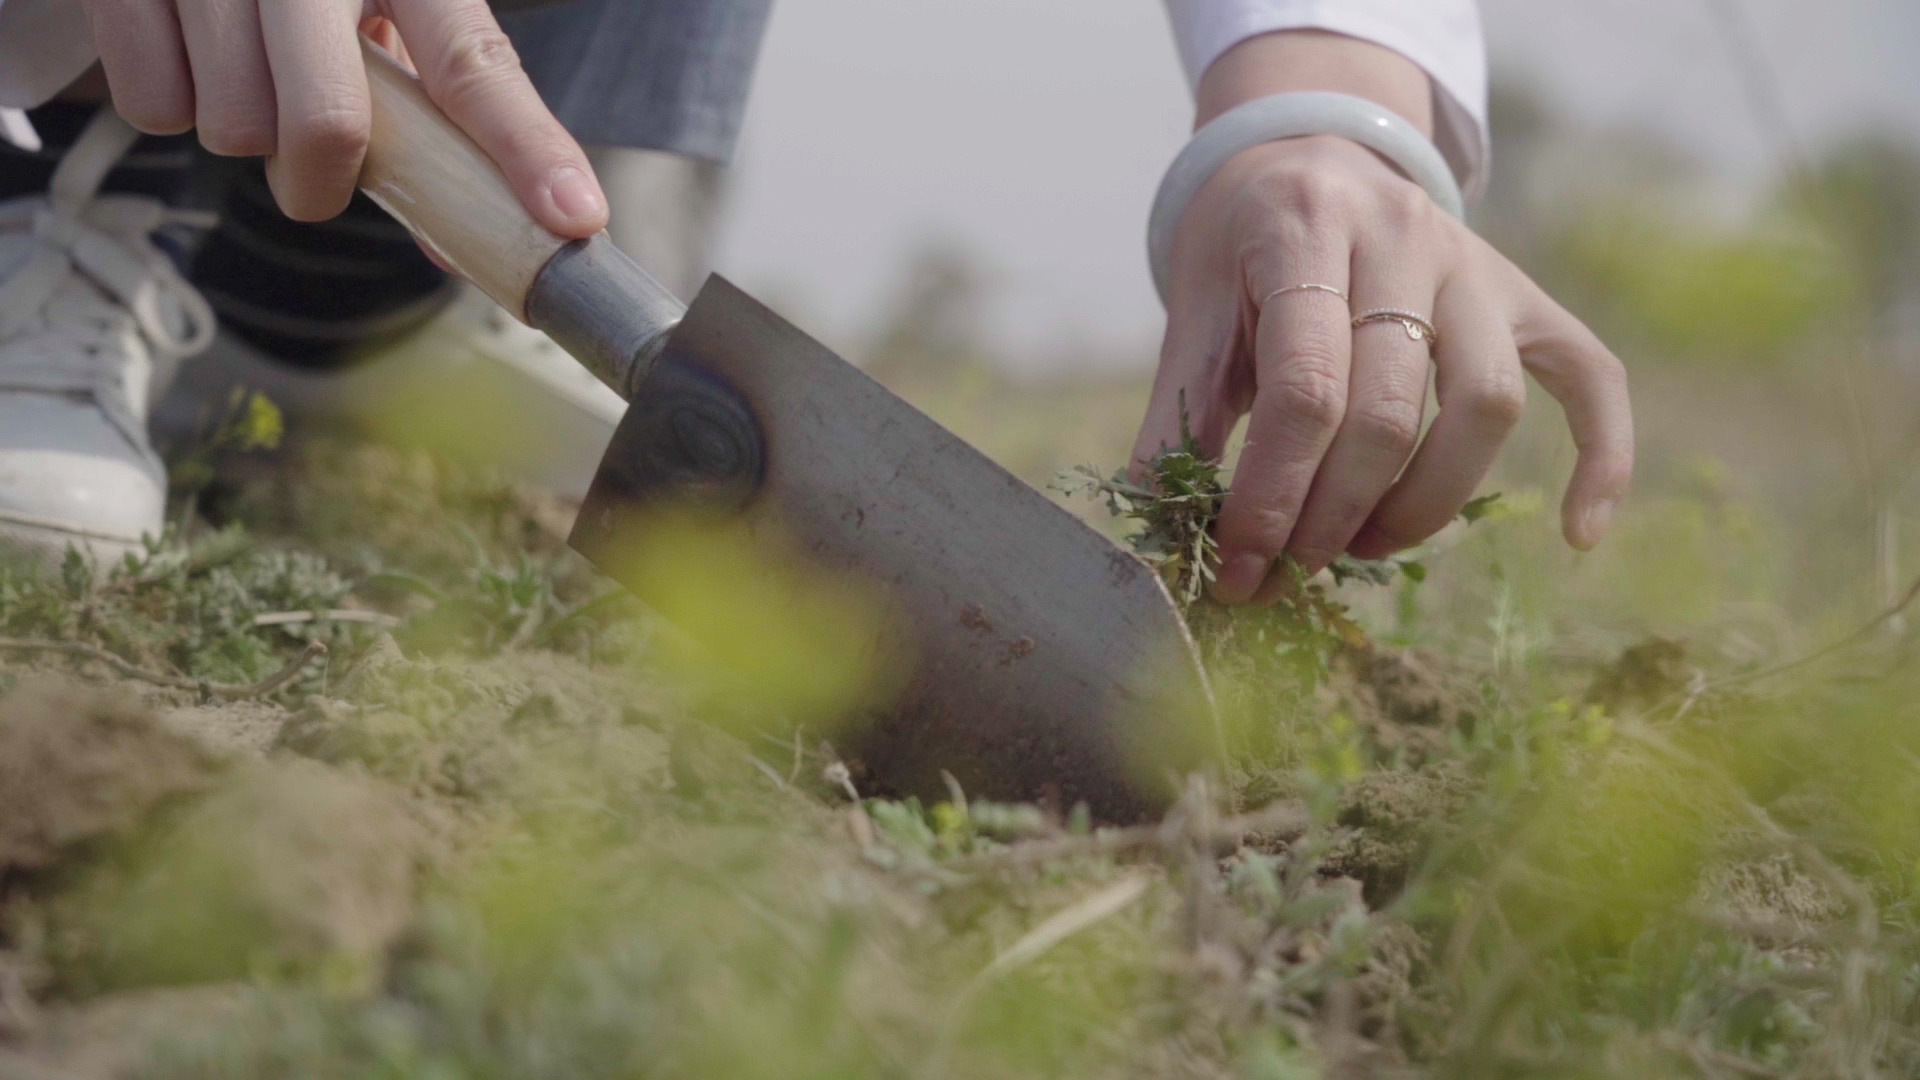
pixel 1373 571
pixel 1479 508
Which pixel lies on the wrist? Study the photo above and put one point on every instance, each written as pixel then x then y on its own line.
pixel 1295 60
pixel 1292 115
pixel 1318 152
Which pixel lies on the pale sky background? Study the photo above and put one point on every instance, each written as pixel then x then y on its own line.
pixel 1033 132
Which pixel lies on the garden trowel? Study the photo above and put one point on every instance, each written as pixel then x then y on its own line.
pixel 1014 647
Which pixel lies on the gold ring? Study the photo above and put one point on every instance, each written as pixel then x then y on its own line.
pixel 1309 287
pixel 1416 326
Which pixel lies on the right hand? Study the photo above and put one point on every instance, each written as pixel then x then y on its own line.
pixel 284 79
pixel 1334 460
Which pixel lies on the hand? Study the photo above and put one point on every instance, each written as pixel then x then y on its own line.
pixel 284 79
pixel 1330 462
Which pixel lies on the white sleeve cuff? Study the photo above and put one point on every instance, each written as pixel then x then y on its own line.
pixel 1442 36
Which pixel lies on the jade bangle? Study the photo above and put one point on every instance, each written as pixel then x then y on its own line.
pixel 1287 116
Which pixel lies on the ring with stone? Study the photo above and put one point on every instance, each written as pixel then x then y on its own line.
pixel 1416 326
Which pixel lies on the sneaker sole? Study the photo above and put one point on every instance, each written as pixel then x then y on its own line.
pixel 47 539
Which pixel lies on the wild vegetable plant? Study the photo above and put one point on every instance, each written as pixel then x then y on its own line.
pixel 1174 507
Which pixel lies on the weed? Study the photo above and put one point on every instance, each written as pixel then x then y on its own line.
pixel 248 421
pixel 1174 509
pixel 500 846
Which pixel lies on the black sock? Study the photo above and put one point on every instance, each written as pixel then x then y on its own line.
pixel 312 295
pixel 158 165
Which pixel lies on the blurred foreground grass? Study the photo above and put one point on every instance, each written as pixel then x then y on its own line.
pixel 1554 815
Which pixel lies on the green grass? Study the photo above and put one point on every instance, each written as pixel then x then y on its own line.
pixel 1516 812
pixel 1508 866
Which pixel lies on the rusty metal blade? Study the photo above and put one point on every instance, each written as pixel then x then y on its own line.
pixel 1040 660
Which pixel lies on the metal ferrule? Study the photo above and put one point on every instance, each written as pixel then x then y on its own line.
pixel 605 310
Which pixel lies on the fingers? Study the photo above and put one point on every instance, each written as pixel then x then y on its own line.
pixel 1197 379
pixel 1205 378
pixel 469 69
pixel 234 101
pixel 324 115
pixel 1393 267
pixel 1329 463
pixel 145 61
pixel 1591 385
pixel 1302 349
pixel 1481 391
pixel 380 30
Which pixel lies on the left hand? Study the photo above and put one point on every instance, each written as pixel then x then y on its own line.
pixel 1333 459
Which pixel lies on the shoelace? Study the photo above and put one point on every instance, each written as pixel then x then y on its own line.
pixel 105 239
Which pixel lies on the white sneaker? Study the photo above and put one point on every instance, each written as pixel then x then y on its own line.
pixel 473 384
pixel 93 321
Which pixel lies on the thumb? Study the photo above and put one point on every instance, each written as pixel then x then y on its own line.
pixel 469 69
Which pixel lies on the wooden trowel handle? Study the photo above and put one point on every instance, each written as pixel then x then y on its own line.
pixel 431 176
pixel 586 294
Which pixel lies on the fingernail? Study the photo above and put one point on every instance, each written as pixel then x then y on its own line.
pixel 1594 526
pixel 1240 577
pixel 576 195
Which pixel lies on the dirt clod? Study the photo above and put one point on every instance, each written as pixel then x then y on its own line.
pixel 1389 815
pixel 77 765
pixel 1643 675
pixel 288 866
pixel 1405 702
pixel 479 731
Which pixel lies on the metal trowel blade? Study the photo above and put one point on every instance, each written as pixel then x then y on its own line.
pixel 1026 654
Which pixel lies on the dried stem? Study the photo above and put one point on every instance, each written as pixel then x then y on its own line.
pixel 1088 912
pixel 1898 608
pixel 220 691
pixel 1288 819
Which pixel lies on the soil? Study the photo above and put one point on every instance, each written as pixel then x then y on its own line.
pixel 1388 819
pixel 287 866
pixel 1406 702
pixel 112 1036
pixel 166 862
pixel 466 734
pixel 79 764
pixel 1772 902
pixel 148 843
pixel 1644 675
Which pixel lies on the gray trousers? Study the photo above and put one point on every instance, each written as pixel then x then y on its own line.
pixel 656 74
pixel 655 89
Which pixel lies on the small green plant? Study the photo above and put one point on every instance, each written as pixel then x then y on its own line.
pixel 1175 510
pixel 1175 505
pixel 221 606
pixel 248 422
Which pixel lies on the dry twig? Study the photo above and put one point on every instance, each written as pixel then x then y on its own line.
pixel 1090 911
pixel 1897 609
pixel 221 691
pixel 352 615
pixel 1061 926
pixel 858 823
pixel 1288 819
pixel 529 624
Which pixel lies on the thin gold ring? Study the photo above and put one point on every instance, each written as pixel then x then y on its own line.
pixel 1308 287
pixel 1416 326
